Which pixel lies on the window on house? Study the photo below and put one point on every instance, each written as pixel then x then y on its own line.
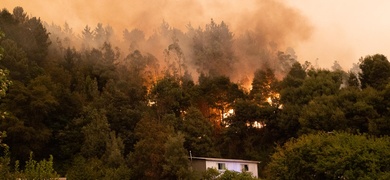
pixel 221 166
pixel 244 167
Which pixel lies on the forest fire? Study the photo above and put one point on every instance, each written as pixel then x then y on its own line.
pixel 228 114
pixel 273 99
pixel 118 102
pixel 163 31
pixel 258 124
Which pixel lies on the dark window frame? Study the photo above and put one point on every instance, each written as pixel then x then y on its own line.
pixel 244 167
pixel 221 166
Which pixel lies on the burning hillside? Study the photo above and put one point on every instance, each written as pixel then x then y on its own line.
pixel 238 40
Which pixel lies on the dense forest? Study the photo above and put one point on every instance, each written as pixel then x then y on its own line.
pixel 101 107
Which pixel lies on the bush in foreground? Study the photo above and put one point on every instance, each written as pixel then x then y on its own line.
pixel 336 155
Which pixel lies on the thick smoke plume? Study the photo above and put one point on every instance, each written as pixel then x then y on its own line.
pixel 260 29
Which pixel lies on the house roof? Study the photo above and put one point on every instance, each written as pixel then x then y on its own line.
pixel 224 160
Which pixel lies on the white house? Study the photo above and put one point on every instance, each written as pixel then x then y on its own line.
pixel 238 165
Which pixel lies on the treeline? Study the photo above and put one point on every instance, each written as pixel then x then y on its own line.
pixel 103 114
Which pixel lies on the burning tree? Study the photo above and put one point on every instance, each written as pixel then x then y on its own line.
pixel 264 87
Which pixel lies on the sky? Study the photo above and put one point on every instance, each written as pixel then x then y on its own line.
pixel 344 30
pixel 320 31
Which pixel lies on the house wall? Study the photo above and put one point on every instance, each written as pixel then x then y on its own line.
pixel 234 166
pixel 199 165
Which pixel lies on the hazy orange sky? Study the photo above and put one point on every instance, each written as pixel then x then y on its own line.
pixel 345 30
pixel 341 30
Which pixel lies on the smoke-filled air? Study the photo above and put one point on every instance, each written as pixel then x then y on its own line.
pixel 217 37
pixel 188 89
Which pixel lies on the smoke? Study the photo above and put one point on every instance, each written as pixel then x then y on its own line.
pixel 260 28
pixel 265 15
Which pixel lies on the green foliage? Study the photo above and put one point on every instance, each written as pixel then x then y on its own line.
pixel 122 172
pixel 322 113
pixel 227 175
pixel 84 169
pixel 16 61
pixel 32 170
pixel 93 168
pixel 359 108
pixel 102 150
pixel 217 93
pixel 5 159
pixel 353 80
pixel 375 71
pixel 39 170
pixel 148 157
pixel 96 133
pixel 331 156
pixel 159 152
pixel 169 97
pixel 176 164
pixel 4 81
pixel 198 133
pixel 214 174
pixel 264 86
pixel 241 138
pixel 290 84
pixel 319 83
pixel 28 33
pixel 113 156
pixel 210 173
pixel 25 125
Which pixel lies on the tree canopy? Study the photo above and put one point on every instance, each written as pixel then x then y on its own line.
pixel 335 155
